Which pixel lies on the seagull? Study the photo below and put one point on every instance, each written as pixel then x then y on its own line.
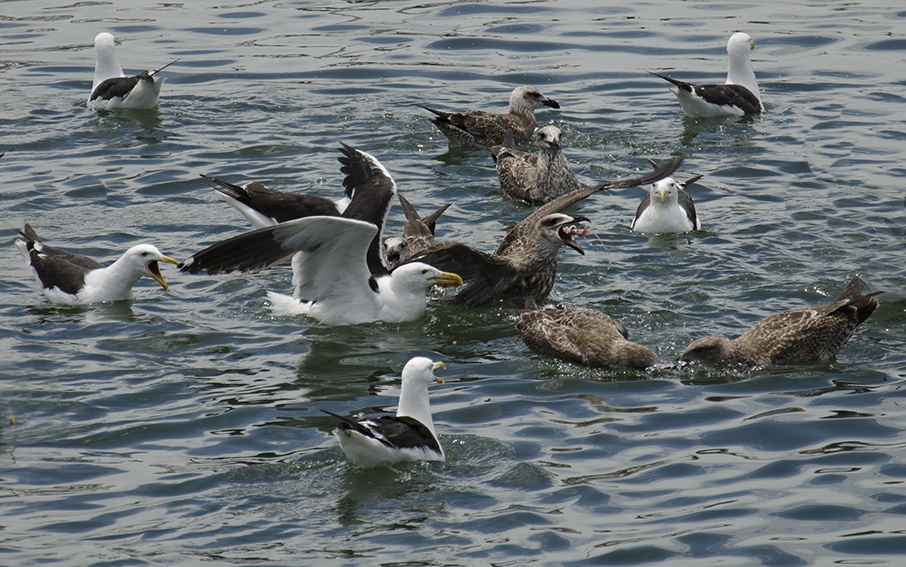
pixel 66 277
pixel 737 97
pixel 797 336
pixel 334 259
pixel 535 178
pixel 584 336
pixel 524 266
pixel 418 234
pixel 112 89
pixel 409 436
pixel 477 128
pixel 667 208
pixel 263 206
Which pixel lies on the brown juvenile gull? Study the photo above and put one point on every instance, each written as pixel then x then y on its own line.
pixel 263 206
pixel 111 87
pixel 525 264
pixel 797 336
pixel 535 178
pixel 584 336
pixel 418 234
pixel 407 436
pixel 667 208
pixel 334 278
pixel 477 128
pixel 66 277
pixel 737 97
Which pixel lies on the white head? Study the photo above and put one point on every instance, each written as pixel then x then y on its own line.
pixel 416 278
pixel 548 139
pixel 106 66
pixel 417 375
pixel 739 63
pixel 144 259
pixel 527 99
pixel 665 191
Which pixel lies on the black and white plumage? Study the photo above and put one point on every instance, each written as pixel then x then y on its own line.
pixel 524 266
pixel 798 336
pixel 263 206
pixel 338 273
pixel 66 277
pixel 738 96
pixel 112 89
pixel 408 436
pixel 418 234
pixel 535 178
pixel 477 128
pixel 584 336
pixel 667 208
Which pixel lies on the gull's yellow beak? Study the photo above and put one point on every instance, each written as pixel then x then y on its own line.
pixel 446 279
pixel 154 270
pixel 439 363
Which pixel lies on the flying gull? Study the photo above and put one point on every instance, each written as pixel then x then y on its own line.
pixel 667 208
pixel 797 336
pixel 534 178
pixel 584 336
pixel 263 206
pixel 524 266
pixel 335 259
pixel 409 436
pixel 737 97
pixel 112 89
pixel 66 277
pixel 418 234
pixel 477 128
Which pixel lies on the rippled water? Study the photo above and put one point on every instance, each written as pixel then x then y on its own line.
pixel 185 428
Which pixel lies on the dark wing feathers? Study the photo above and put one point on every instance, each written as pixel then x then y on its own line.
pixel 278 205
pixel 114 87
pixel 400 432
pixel 250 252
pixel 484 274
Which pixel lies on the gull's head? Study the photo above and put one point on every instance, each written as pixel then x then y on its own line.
pixel 548 139
pixel 709 350
pixel 665 191
pixel 528 99
pixel 421 369
pixel 146 259
pixel 740 42
pixel 418 276
pixel 104 40
pixel 560 229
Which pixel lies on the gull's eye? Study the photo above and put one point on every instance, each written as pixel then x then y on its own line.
pixel 144 253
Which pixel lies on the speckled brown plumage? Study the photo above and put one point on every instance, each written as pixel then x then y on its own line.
pixel 535 178
pixel 524 266
pixel 584 336
pixel 418 234
pixel 797 336
pixel 477 128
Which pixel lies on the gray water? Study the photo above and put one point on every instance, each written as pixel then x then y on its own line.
pixel 184 428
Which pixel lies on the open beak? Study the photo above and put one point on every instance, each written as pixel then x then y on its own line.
pixel 568 232
pixel 446 279
pixel 439 364
pixel 154 270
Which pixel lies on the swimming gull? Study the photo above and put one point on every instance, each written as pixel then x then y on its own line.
pixel 584 336
pixel 535 178
pixel 737 97
pixel 477 128
pixel 112 89
pixel 797 336
pixel 667 208
pixel 67 277
pixel 524 266
pixel 408 436
pixel 335 259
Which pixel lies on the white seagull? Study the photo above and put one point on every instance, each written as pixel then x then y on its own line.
pixel 66 277
pixel 667 208
pixel 111 87
pixel 737 97
pixel 409 436
pixel 338 273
